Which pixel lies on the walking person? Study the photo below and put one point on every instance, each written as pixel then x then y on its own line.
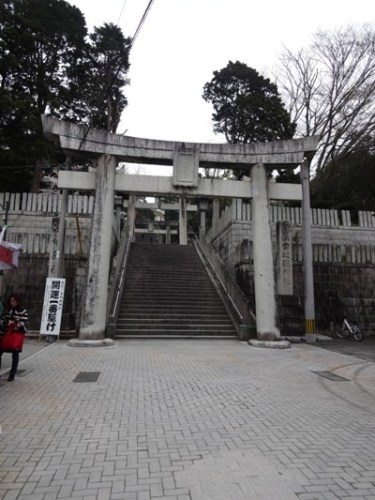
pixel 17 316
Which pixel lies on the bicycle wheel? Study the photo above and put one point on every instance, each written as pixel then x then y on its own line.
pixel 357 333
pixel 343 332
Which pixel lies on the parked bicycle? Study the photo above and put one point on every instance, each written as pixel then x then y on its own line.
pixel 350 328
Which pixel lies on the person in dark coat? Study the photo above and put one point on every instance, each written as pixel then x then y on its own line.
pixel 16 315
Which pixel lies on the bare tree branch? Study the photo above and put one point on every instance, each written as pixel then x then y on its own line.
pixel 329 90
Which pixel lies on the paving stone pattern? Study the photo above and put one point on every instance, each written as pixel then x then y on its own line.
pixel 188 420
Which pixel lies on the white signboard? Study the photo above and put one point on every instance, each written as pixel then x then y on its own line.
pixel 52 306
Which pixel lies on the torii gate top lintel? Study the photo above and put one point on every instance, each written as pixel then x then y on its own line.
pixel 93 142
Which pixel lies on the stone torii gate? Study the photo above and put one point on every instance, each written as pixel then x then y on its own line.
pixel 186 158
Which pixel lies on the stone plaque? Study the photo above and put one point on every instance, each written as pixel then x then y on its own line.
pixel 54 253
pixel 284 259
pixel 185 167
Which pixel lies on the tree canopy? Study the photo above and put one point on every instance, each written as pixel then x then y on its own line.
pixel 346 185
pixel 97 84
pixel 48 64
pixel 37 41
pixel 247 106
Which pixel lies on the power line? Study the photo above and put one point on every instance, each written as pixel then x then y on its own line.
pixel 142 21
pixel 122 8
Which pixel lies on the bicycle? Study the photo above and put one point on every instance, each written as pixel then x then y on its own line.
pixel 350 328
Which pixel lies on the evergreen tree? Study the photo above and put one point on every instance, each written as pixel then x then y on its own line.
pixel 346 185
pixel 48 65
pixel 247 106
pixel 38 41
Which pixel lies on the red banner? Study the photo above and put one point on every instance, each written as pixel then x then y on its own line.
pixel 9 255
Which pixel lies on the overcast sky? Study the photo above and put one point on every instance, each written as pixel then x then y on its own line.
pixel 182 43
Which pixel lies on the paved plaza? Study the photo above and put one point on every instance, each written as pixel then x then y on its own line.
pixel 188 420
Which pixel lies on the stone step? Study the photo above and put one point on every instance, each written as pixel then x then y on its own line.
pixel 192 294
pixel 159 305
pixel 182 332
pixel 168 293
pixel 180 260
pixel 173 326
pixel 183 274
pixel 164 258
pixel 161 322
pixel 155 286
pixel 144 300
pixel 187 310
pixel 176 336
pixel 171 307
pixel 145 315
pixel 142 297
pixel 158 288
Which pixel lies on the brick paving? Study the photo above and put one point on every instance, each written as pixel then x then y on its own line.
pixel 188 420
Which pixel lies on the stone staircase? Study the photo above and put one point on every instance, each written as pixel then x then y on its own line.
pixel 168 293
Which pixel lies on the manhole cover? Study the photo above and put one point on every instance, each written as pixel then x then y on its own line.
pixel 331 376
pixel 87 377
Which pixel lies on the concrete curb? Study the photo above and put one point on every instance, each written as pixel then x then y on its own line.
pixel 302 338
pixel 270 344
pixel 90 343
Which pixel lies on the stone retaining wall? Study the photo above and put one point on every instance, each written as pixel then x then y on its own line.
pixel 343 266
pixel 29 281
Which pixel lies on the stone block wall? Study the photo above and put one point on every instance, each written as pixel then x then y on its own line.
pixel 344 273
pixel 340 290
pixel 29 280
pixel 343 289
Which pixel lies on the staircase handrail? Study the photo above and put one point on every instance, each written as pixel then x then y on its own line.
pixel 118 282
pixel 233 292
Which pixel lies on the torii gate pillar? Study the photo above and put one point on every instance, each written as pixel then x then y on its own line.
pixel 183 222
pixel 94 313
pixel 264 280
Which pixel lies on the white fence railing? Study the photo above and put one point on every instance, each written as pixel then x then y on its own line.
pixel 40 243
pixel 240 210
pixel 46 203
pixel 30 218
pixel 344 254
pixel 31 215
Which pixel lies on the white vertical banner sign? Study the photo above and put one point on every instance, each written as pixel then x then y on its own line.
pixel 52 306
